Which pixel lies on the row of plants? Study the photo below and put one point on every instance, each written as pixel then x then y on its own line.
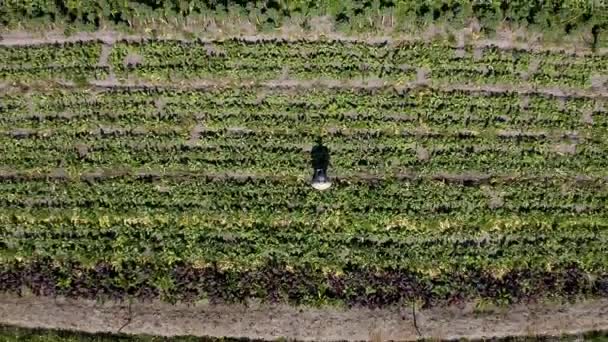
pixel 303 283
pixel 266 150
pixel 470 117
pixel 73 61
pixel 121 238
pixel 269 60
pixel 425 54
pixel 203 194
pixel 135 231
pixel 316 98
pixel 344 125
pixel 496 253
pixel 77 54
pixel 79 74
pixel 350 194
pixel 167 59
pixel 17 222
pixel 354 108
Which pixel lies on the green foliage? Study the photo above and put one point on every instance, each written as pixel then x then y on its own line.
pixel 551 16
pixel 166 60
pixel 462 131
pixel 271 60
pixel 67 61
pixel 449 193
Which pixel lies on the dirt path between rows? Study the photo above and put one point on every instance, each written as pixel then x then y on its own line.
pixel 18 38
pixel 320 83
pixel 371 84
pixel 274 321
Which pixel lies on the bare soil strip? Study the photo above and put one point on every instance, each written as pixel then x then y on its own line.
pixel 295 85
pixel 110 37
pixel 267 321
pixel 106 50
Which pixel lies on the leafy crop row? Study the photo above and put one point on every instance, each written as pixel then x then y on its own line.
pixel 269 149
pixel 302 284
pixel 330 243
pixel 56 61
pixel 408 197
pixel 240 107
pixel 257 129
pixel 268 60
pixel 304 60
pixel 202 193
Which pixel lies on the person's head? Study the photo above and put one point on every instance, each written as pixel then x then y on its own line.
pixel 320 181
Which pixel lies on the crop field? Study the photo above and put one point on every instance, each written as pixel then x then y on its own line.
pixel 180 170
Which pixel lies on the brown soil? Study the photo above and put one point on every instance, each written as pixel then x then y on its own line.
pixel 82 150
pixel 195 134
pixel 460 53
pixel 422 76
pixel 106 50
pixel 523 89
pixel 422 154
pixel 295 84
pixel 321 28
pixel 599 81
pixel 273 321
pixel 564 149
pixel 132 60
